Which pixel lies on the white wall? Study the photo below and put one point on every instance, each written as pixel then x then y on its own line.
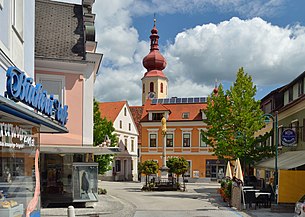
pixel 14 51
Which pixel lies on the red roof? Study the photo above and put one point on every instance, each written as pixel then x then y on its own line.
pixel 176 110
pixel 111 110
pixel 136 112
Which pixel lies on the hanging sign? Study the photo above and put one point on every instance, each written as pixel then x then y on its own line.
pixel 289 137
pixel 21 89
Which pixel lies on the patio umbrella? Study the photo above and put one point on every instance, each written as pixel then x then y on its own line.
pixel 228 171
pixel 238 171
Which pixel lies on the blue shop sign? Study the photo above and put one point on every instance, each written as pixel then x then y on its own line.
pixel 289 137
pixel 21 89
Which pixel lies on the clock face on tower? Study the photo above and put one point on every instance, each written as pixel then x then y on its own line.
pixel 151 95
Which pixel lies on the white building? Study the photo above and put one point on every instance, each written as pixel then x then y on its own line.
pixel 125 164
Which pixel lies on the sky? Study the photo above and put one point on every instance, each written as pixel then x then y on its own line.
pixel 202 41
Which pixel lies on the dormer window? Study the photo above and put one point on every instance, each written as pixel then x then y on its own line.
pixel 185 115
pixel 157 116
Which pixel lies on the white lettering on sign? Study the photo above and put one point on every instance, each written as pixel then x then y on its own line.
pixel 9 130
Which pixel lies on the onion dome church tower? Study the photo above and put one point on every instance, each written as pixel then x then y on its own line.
pixel 154 82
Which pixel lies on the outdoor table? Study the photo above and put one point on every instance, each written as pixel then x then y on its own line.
pixel 263 198
pixel 255 190
pixel 247 187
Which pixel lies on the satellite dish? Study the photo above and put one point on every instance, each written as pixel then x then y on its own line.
pixel 151 95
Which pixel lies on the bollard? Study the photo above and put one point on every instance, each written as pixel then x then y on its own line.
pixel 71 212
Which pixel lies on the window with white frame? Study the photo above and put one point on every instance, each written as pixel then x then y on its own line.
pixel 125 112
pixel 17 19
pixel 188 173
pixel 53 84
pixel 121 124
pixel 152 139
pixel 169 139
pixel 185 115
pixel 129 126
pixel 132 145
pixel 126 143
pixel 186 139
pixel 201 142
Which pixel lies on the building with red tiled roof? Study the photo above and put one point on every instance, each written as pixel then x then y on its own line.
pixel 183 137
pixel 125 164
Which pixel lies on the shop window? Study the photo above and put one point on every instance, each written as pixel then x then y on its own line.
pixel 18 18
pixel 53 84
pixel 169 140
pixel 186 137
pixel 152 140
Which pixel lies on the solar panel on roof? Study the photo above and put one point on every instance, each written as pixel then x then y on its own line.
pixel 166 101
pixel 154 101
pixel 202 99
pixel 190 100
pixel 160 101
pixel 184 100
pixel 196 99
pixel 172 101
pixel 178 100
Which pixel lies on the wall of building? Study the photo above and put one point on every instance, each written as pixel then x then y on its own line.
pixel 157 83
pixel 74 99
pixel 195 154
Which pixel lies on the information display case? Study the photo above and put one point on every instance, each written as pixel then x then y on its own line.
pixel 85 180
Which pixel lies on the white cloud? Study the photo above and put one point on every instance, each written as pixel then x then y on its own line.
pixel 198 56
pixel 269 53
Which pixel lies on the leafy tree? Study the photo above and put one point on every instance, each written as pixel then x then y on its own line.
pixel 177 165
pixel 233 117
pixel 101 128
pixel 148 168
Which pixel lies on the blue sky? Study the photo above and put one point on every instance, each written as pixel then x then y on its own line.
pixel 202 40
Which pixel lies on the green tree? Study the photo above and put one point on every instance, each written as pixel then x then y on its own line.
pixel 177 165
pixel 233 117
pixel 101 128
pixel 148 168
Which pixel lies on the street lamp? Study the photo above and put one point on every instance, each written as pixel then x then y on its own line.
pixel 164 169
pixel 267 118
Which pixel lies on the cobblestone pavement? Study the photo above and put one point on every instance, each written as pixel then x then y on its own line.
pixel 125 199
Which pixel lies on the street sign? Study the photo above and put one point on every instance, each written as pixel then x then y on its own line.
pixel 289 137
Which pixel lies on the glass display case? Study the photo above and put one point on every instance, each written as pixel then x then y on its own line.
pixel 85 180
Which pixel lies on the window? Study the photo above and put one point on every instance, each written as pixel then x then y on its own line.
pixel 169 140
pixel 301 87
pixel 202 143
pixel 126 144
pixel 117 165
pixel 53 85
pixel 161 87
pixel 290 94
pixel 151 87
pixel 157 116
pixel 188 173
pixel 132 145
pixel 121 124
pixel 125 112
pixel 185 115
pixel 153 140
pixel 18 18
pixel 143 86
pixel 129 126
pixel 186 139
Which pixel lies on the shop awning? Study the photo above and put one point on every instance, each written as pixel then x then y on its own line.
pixel 21 114
pixel 285 161
pixel 58 149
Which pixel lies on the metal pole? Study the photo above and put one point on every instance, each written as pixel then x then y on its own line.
pixel 276 156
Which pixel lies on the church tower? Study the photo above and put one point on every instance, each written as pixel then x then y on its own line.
pixel 154 82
